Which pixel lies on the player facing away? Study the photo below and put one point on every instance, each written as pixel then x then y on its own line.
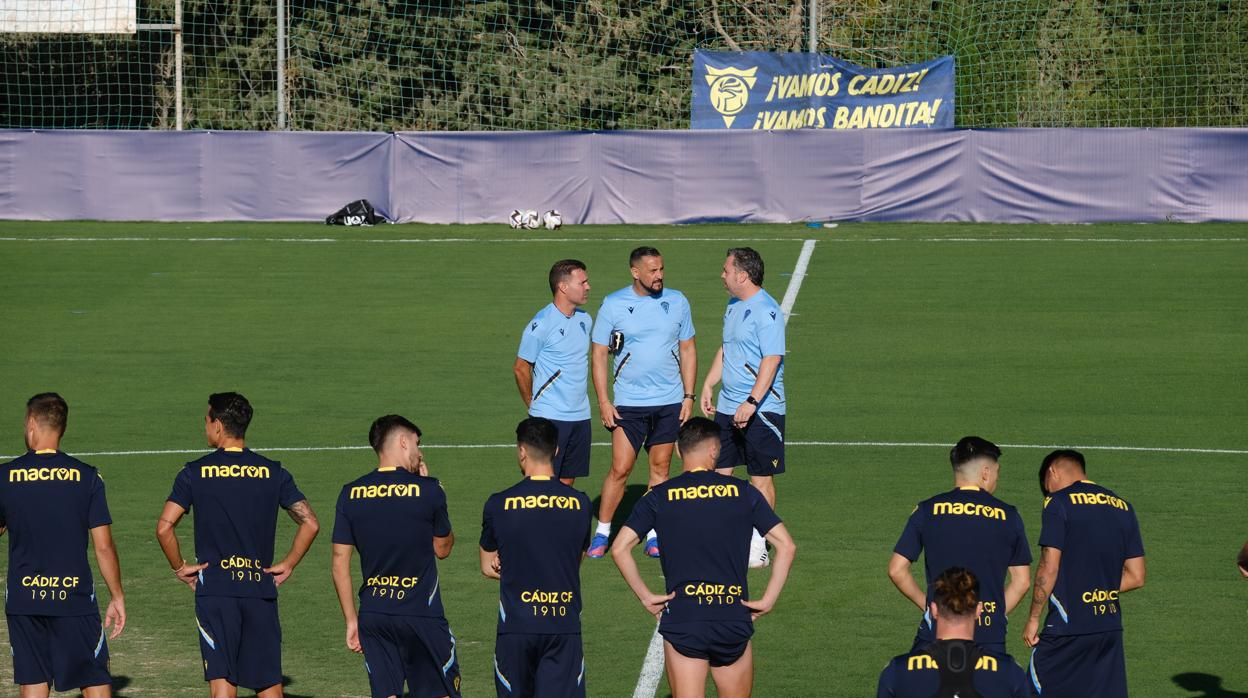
pixel 50 503
pixel 750 362
pixel 552 357
pixel 533 538
pixel 704 518
pixel 1090 553
pixel 235 494
pixel 649 330
pixel 396 517
pixel 967 527
pixel 953 665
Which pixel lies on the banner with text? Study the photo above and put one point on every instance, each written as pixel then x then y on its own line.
pixel 775 91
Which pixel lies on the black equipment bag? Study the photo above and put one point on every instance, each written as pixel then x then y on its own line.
pixel 355 213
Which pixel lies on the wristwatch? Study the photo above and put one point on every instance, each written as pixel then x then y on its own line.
pixel 750 399
pixel 690 396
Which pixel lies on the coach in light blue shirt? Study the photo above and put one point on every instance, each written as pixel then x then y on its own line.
pixel 551 369
pixel 751 406
pixel 649 330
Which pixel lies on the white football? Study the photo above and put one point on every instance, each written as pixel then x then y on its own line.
pixel 553 220
pixel 516 219
pixel 531 220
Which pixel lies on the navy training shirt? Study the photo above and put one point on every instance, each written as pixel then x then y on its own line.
pixel 1097 532
pixel 968 527
pixel 233 495
pixel 391 516
pixel 540 528
pixel 704 520
pixel 917 675
pixel 49 501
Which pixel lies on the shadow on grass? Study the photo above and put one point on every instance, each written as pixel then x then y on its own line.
pixel 631 494
pixel 1206 686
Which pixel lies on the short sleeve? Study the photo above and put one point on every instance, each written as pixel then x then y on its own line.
pixel 289 495
pixel 885 688
pixel 1135 544
pixel 441 520
pixel 603 326
pixel 771 333
pixel 686 323
pixel 343 535
pixel 97 506
pixel 181 494
pixel 910 544
pixel 762 516
pixel 589 519
pixel 644 513
pixel 531 341
pixel 1021 552
pixel 489 541
pixel 1053 525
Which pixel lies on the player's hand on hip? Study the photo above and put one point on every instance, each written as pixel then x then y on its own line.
pixel 115 617
pixel 656 603
pixel 610 415
pixel 353 637
pixel 1031 633
pixel 745 412
pixel 708 403
pixel 686 410
pixel 758 608
pixel 281 572
pixel 189 574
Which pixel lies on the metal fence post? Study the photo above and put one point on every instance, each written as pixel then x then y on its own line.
pixel 814 26
pixel 281 65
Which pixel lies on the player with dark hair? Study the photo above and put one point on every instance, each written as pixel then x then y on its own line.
pixel 50 503
pixel 533 538
pixel 751 406
pixel 704 519
pixel 953 665
pixel 396 517
pixel 1091 553
pixel 967 527
pixel 1241 562
pixel 649 329
pixel 236 493
pixel 552 355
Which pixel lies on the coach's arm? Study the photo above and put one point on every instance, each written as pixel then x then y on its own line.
pixel 899 572
pixel 340 565
pixel 524 379
pixel 1133 572
pixel 1046 577
pixel 301 513
pixel 598 365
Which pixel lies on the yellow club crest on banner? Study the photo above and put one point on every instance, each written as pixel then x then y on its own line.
pixel 730 90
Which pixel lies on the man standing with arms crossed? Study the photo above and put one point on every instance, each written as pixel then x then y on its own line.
pixel 236 493
pixel 751 406
pixel 532 540
pixel 49 503
pixel 706 617
pixel 396 517
pixel 552 357
pixel 649 329
pixel 967 527
pixel 1090 553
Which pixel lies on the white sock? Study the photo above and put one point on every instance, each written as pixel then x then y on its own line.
pixel 651 534
pixel 755 539
pixel 604 528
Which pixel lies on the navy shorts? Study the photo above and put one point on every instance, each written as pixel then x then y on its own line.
pixel 67 652
pixel 240 640
pixel 572 460
pixel 417 650
pixel 720 643
pixel 1077 666
pixel 759 446
pixel 537 666
pixel 649 426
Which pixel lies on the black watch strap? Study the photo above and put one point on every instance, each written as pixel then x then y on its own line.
pixel 750 399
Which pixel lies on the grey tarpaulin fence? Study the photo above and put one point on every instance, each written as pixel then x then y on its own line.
pixel 1006 175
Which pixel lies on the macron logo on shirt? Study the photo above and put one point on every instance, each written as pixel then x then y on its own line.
pixel 44 475
pixel 702 492
pixel 374 491
pixel 968 509
pixel 257 471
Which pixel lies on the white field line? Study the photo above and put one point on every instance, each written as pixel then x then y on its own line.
pixel 652 668
pixel 419 241
pixel 606 444
pixel 795 281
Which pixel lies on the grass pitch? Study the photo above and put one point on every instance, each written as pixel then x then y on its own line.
pixel 1110 335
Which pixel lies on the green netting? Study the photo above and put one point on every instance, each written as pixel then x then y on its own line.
pixel 616 64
